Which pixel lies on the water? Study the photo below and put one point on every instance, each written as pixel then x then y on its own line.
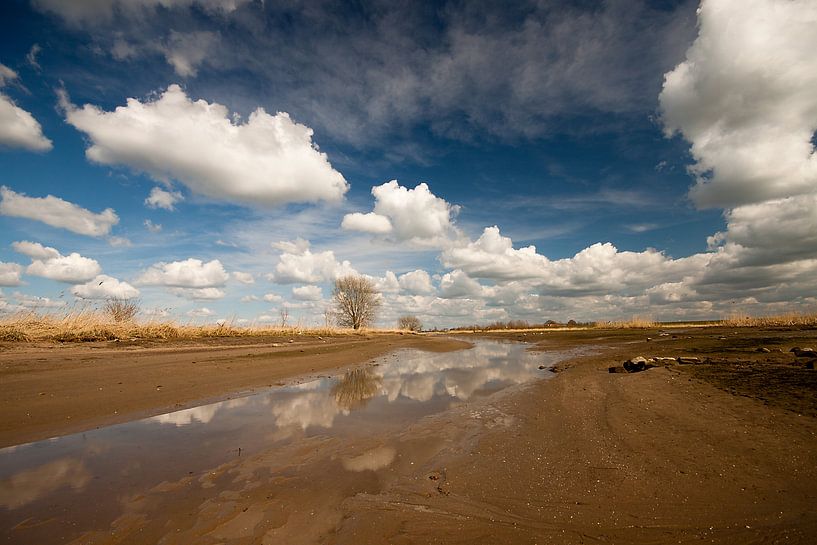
pixel 59 488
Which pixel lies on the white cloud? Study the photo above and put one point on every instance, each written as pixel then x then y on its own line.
pixel 243 277
pixel 153 227
pixel 198 293
pixel 105 287
pixel 298 265
pixel 185 51
pixel 190 273
pixel 159 198
pixel 272 298
pixel 367 223
pixel 268 160
pixel 307 293
pixel 34 250
pixel 493 256
pixel 119 242
pixel 458 284
pixel 416 282
pixel 49 263
pixel 202 312
pixel 35 302
pixel 56 212
pixel 18 128
pixel 10 274
pixel 406 215
pixel 744 97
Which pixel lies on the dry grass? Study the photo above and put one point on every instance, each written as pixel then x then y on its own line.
pixel 779 320
pixel 636 322
pixel 92 325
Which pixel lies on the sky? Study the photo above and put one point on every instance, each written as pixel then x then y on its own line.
pixel 479 161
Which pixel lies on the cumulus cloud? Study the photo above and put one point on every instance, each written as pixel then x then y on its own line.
pixel 367 223
pixel 10 274
pixel 243 277
pixel 458 284
pixel 159 198
pixel 416 282
pixel 49 263
pixel 190 273
pixel 56 212
pixel 299 265
pixel 307 293
pixel 105 287
pixel 18 128
pixel 744 98
pixel 268 160
pixel 406 215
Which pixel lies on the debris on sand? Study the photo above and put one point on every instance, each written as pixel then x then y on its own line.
pixel 803 352
pixel 687 360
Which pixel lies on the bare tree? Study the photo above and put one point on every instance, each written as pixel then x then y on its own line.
pixel 356 301
pixel 121 310
pixel 284 316
pixel 411 323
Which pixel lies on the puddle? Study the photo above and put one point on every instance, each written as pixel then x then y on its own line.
pixel 61 488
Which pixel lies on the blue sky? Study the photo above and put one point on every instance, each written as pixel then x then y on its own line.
pixel 225 159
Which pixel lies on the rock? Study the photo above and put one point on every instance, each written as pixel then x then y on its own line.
pixel 804 353
pixel 686 360
pixel 810 364
pixel 292 341
pixel 649 339
pixel 763 350
pixel 658 359
pixel 615 369
pixel 542 367
pixel 637 364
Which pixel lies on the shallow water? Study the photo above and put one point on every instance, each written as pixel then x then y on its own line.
pixel 57 489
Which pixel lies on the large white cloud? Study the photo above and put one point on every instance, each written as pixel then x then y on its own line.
pixel 190 273
pixel 57 212
pixel 299 265
pixel 10 274
pixel 416 282
pixel 49 263
pixel 105 287
pixel 267 160
pixel 744 97
pixel 406 215
pixel 18 128
pixel 307 293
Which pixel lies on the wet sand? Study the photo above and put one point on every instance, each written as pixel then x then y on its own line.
pixel 50 389
pixel 724 452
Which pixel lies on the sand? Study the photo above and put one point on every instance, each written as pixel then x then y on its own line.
pixel 722 452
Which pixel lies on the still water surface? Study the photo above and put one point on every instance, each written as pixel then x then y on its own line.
pixel 58 488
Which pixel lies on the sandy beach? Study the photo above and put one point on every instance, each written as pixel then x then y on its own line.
pixel 723 451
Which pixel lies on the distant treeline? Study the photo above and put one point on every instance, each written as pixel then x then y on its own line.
pixel 520 324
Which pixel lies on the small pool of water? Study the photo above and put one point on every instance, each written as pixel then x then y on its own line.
pixel 66 485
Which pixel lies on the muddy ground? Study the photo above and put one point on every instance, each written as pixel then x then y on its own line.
pixel 724 451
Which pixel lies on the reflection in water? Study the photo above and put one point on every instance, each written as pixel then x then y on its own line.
pixel 63 480
pixel 371 460
pixel 356 388
pixel 29 485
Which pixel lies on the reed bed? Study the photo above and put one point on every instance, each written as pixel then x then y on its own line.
pixel 636 322
pixel 778 320
pixel 93 325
